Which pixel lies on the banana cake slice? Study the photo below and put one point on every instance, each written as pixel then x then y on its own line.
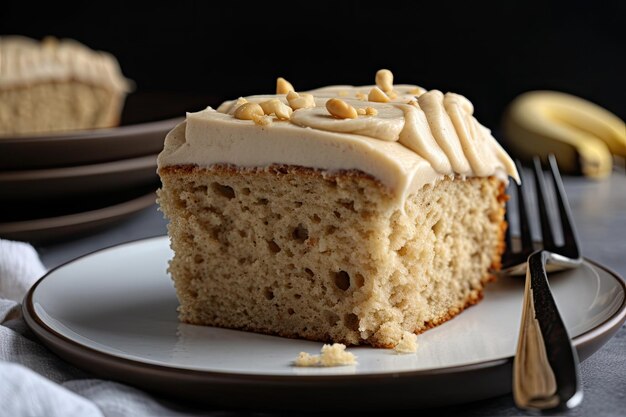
pixel 345 214
pixel 57 85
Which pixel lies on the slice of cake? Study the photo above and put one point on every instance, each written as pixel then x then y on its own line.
pixel 345 214
pixel 57 85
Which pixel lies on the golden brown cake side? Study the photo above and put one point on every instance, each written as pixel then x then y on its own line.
pixel 300 252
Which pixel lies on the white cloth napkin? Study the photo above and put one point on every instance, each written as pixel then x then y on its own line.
pixel 20 267
pixel 34 381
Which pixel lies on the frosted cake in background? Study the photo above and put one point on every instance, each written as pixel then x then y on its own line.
pixel 57 85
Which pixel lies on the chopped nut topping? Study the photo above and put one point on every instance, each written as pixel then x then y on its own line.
pixel 300 101
pixel 247 111
pixel 283 86
pixel 343 93
pixel 367 111
pixel 412 102
pixel 262 120
pixel 292 95
pixel 340 109
pixel 240 101
pixel 377 95
pixel 384 80
pixel 361 96
pixel 277 107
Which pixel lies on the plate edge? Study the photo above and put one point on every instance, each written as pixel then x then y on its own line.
pixel 581 342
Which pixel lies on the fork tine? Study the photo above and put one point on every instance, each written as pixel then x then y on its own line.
pixel 570 237
pixel 527 241
pixel 542 199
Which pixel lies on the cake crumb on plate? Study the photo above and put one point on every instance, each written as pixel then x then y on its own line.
pixel 332 355
pixel 408 343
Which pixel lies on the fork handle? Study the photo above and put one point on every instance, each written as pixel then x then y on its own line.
pixel 545 368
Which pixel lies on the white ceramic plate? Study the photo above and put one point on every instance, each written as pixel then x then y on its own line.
pixel 114 313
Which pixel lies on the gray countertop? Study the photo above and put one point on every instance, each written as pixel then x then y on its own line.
pixel 599 209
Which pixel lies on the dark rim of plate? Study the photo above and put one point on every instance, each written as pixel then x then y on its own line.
pixel 38 326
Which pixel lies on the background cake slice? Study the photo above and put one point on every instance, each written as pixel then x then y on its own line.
pixel 350 230
pixel 57 85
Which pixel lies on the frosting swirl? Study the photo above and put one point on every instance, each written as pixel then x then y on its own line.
pixel 415 138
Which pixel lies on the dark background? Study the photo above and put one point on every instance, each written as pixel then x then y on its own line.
pixel 206 52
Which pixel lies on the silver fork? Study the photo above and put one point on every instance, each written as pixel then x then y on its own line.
pixel 545 368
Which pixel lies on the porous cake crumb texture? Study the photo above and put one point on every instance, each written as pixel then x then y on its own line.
pixel 301 253
pixel 56 106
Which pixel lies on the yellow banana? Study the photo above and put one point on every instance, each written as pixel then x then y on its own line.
pixel 581 134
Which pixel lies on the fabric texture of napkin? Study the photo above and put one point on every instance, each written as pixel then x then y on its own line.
pixel 20 267
pixel 34 381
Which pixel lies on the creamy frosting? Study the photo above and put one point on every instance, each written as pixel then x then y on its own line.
pixel 415 139
pixel 25 61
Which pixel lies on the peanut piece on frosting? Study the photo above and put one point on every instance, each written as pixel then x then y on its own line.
pixel 277 107
pixel 361 96
pixel 378 96
pixel 300 101
pixel 292 95
pixel 247 111
pixel 283 86
pixel 367 111
pixel 384 80
pixel 340 109
pixel 262 120
pixel 240 101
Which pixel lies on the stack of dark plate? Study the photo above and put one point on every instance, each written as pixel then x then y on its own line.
pixel 64 184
